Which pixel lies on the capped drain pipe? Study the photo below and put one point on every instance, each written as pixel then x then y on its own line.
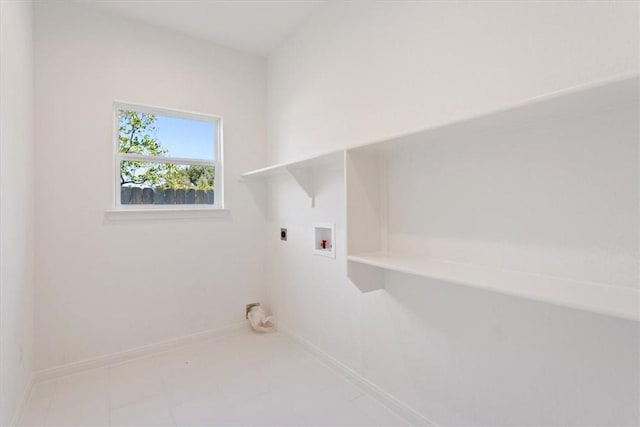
pixel 258 319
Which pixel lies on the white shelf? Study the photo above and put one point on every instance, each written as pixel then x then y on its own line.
pixel 366 197
pixel 298 165
pixel 299 170
pixel 605 299
pixel 574 101
pixel 560 105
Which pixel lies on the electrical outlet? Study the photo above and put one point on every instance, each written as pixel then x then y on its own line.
pixel 248 307
pixel 283 234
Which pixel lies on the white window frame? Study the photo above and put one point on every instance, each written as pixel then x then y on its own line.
pixel 217 163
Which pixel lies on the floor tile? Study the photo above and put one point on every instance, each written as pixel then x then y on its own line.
pixel 151 412
pixel 212 409
pixel 83 413
pixel 241 379
pixel 378 412
pixel 79 389
pixel 244 385
pixel 44 389
pixel 35 411
pixel 134 382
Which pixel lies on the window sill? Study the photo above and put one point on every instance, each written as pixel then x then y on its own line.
pixel 162 214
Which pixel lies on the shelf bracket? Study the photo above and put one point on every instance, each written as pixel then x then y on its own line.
pixel 304 179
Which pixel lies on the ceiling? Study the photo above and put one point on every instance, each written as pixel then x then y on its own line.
pixel 255 26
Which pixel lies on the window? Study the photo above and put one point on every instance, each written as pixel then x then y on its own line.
pixel 167 159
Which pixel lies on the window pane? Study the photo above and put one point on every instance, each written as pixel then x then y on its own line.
pixel 145 183
pixel 158 135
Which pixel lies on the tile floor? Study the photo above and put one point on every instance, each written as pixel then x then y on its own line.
pixel 239 379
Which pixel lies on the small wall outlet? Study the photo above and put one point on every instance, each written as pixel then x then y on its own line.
pixel 283 234
pixel 253 304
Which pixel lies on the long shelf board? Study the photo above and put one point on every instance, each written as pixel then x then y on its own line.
pixel 282 168
pixel 579 101
pixel 604 299
pixel 573 101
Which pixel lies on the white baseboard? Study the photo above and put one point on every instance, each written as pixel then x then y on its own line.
pixel 22 403
pixel 397 406
pixel 134 353
pixel 405 411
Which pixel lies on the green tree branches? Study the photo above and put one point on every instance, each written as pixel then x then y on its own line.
pixel 137 135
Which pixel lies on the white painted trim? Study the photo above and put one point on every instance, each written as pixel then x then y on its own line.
pixel 218 182
pixel 22 404
pixel 217 163
pixel 400 408
pixel 139 212
pixel 161 111
pixel 393 404
pixel 165 159
pixel 134 353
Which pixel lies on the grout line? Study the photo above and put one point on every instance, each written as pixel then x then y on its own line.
pixel 165 391
pixel 49 403
pixel 23 402
pixel 109 395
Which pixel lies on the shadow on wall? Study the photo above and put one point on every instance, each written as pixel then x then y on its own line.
pixel 476 357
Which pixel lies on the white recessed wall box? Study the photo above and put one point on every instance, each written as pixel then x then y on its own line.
pixel 324 237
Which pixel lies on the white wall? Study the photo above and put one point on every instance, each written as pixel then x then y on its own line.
pixel 558 198
pixel 105 286
pixel 458 355
pixel 16 207
pixel 455 354
pixel 362 71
